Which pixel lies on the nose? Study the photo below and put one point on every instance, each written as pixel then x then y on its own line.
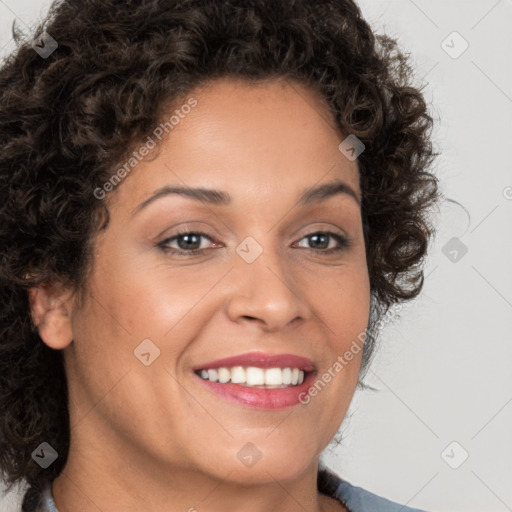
pixel 266 292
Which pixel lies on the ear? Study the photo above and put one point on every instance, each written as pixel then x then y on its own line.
pixel 50 306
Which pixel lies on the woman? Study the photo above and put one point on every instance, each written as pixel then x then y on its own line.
pixel 208 208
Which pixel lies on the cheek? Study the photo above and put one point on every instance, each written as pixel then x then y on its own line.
pixel 143 300
pixel 344 308
pixel 137 298
pixel 341 298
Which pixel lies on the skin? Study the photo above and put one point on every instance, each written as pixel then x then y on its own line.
pixel 153 437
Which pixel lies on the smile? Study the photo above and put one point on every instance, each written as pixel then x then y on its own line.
pixel 258 380
pixel 253 376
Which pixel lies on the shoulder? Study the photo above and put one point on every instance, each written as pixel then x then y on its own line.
pixel 357 499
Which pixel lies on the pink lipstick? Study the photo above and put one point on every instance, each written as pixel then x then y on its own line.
pixel 256 379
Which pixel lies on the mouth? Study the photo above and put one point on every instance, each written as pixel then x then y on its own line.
pixel 255 377
pixel 259 380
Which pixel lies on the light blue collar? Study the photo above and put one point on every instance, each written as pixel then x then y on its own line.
pixel 47 503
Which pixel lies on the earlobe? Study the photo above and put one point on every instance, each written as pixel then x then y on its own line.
pixel 51 314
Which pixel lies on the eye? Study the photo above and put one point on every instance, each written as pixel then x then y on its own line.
pixel 188 242
pixel 321 238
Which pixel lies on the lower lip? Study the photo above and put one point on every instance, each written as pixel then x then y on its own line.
pixel 261 398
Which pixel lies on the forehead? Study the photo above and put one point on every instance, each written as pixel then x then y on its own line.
pixel 265 139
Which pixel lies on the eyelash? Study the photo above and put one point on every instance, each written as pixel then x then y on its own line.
pixel 344 243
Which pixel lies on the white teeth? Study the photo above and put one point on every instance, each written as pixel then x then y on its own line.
pixel 224 375
pixel 254 376
pixel 237 375
pixel 273 377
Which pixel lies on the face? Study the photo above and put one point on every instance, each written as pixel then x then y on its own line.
pixel 262 276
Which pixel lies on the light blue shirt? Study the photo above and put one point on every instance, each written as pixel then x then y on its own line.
pixel 357 499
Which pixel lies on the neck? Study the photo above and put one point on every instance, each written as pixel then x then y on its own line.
pixel 89 483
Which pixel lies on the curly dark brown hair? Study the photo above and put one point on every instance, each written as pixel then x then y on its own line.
pixel 67 120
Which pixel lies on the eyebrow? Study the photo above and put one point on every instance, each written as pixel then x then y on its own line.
pixel 220 198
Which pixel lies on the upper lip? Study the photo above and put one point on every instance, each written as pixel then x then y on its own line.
pixel 261 360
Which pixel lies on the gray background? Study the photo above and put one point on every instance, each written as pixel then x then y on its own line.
pixel 443 368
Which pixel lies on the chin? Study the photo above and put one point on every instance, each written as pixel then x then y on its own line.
pixel 252 465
